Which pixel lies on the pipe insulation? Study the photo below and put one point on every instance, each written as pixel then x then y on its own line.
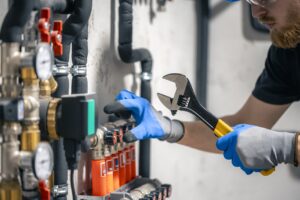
pixel 129 55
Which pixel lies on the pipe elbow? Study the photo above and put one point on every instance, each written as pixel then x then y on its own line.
pixel 15 20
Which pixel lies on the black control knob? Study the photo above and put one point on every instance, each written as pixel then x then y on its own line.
pixel 110 138
pixel 167 187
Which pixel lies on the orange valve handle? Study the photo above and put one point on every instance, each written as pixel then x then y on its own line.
pixel 99 178
pixel 133 162
pixel 222 129
pixel 128 164
pixel 110 175
pixel 122 170
pixel 116 172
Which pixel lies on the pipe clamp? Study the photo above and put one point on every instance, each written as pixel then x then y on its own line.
pixel 146 76
pixel 60 71
pixel 78 70
pixel 60 190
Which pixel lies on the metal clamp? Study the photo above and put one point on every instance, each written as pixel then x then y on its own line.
pixel 60 190
pixel 146 76
pixel 61 70
pixel 78 70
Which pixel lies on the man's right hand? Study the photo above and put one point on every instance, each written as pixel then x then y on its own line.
pixel 150 122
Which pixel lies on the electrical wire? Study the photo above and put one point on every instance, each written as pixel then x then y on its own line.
pixel 73 185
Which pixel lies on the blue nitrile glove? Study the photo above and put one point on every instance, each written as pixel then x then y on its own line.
pixel 150 123
pixel 254 148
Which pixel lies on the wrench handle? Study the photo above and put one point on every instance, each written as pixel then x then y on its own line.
pixel 222 129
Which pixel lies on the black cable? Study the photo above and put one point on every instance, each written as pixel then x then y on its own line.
pixel 73 185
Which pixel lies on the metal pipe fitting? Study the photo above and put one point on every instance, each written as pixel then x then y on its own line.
pixel 10 150
pixel 60 71
pixel 10 59
pixel 98 149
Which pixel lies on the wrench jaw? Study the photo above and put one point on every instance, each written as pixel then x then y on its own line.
pixel 181 83
pixel 167 102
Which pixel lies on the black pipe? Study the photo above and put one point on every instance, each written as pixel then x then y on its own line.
pixel 202 50
pixel 60 165
pixel 79 59
pixel 57 6
pixel 128 55
pixel 15 20
pixel 73 26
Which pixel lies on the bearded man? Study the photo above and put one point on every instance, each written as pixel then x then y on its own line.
pixel 253 148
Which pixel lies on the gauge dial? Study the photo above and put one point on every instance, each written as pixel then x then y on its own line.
pixel 43 61
pixel 43 161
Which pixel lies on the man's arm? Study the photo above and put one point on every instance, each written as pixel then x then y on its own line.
pixel 254 111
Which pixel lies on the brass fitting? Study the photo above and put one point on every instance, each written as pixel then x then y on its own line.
pixel 28 76
pixel 51 119
pixel 31 94
pixel 53 84
pixel 30 137
pixel 45 88
pixel 10 190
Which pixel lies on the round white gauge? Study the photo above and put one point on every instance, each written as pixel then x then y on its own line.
pixel 43 161
pixel 43 61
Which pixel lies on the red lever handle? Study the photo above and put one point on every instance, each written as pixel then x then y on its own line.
pixel 44 190
pixel 43 25
pixel 56 38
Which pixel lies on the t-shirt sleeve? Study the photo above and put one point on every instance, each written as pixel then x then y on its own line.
pixel 275 84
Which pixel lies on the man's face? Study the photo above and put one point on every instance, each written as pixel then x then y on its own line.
pixel 283 19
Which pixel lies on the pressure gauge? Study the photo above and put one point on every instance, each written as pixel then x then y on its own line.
pixel 43 61
pixel 42 161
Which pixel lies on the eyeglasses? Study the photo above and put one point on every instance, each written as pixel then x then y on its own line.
pixel 262 3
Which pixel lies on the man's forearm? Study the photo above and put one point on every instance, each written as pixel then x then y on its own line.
pixel 197 135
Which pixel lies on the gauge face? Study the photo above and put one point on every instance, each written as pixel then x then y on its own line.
pixel 43 161
pixel 43 61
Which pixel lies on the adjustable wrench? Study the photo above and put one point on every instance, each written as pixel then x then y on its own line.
pixel 185 100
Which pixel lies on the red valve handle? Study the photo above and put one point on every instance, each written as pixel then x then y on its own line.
pixel 44 190
pixel 56 38
pixel 44 25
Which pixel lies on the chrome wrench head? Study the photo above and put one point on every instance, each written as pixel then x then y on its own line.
pixel 181 84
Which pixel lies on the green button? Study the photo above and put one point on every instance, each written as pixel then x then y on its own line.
pixel 91 117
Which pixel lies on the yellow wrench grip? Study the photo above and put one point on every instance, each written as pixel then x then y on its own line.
pixel 222 129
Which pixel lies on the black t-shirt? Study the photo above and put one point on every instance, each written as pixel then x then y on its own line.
pixel 279 83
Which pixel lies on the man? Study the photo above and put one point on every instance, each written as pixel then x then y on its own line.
pixel 253 147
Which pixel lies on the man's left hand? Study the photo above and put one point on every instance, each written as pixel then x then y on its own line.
pixel 254 149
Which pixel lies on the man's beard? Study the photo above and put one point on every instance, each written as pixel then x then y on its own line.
pixel 288 36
